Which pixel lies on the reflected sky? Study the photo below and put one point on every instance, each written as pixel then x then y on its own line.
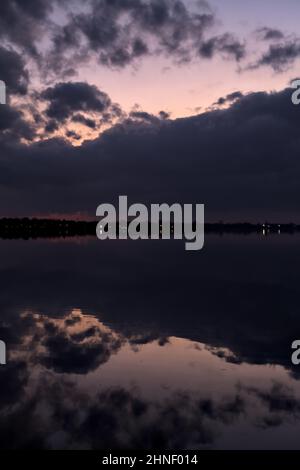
pixel 142 345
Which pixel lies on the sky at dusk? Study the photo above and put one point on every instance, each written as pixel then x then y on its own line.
pixel 161 100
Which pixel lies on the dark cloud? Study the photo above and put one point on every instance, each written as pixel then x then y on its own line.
pixel 51 126
pixel 120 32
pixel 144 116
pixel 112 418
pixel 22 22
pixel 71 356
pixel 115 33
pixel 14 375
pixel 79 118
pixel 164 115
pixel 8 117
pixel 280 56
pixel 236 95
pixel 280 402
pixel 72 345
pixel 245 150
pixel 280 398
pixel 13 126
pixel 73 135
pixel 80 103
pixel 269 34
pixel 225 44
pixel 13 72
pixel 67 98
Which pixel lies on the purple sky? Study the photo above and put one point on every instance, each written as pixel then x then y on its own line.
pixel 160 81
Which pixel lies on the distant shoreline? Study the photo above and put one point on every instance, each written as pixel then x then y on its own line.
pixel 16 228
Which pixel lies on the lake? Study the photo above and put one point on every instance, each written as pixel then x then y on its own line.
pixel 142 345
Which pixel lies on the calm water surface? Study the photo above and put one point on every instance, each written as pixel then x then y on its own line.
pixel 143 345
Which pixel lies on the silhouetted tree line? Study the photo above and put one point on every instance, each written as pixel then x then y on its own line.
pixel 47 228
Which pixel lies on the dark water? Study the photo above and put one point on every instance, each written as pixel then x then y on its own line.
pixel 143 345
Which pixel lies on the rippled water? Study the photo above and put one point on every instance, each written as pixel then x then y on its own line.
pixel 142 345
